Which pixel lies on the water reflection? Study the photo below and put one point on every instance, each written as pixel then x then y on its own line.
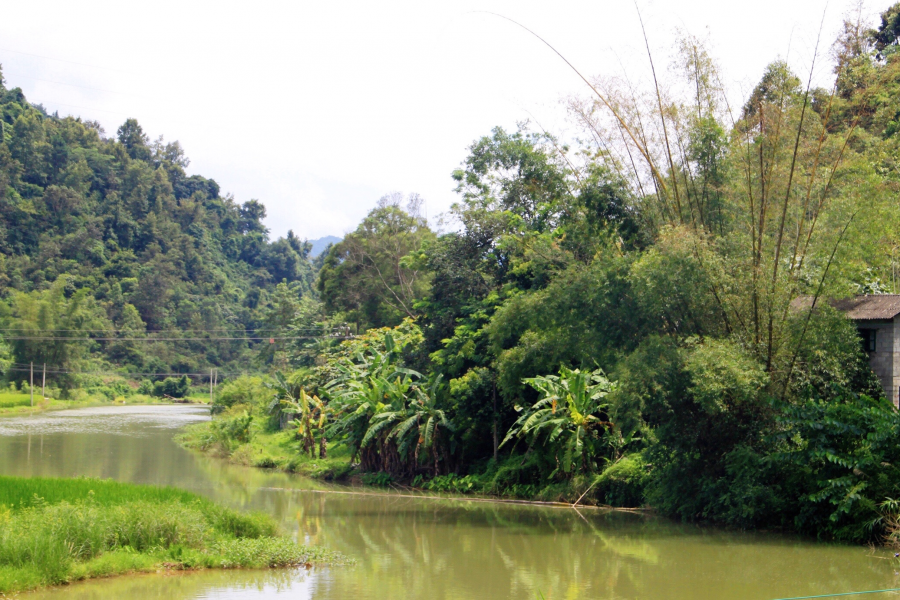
pixel 410 547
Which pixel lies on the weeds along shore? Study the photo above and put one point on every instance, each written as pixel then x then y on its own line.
pixel 55 531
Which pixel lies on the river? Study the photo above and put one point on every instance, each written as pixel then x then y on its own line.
pixel 415 547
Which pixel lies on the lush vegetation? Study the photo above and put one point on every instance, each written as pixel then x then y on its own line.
pixel 55 531
pixel 106 242
pixel 612 320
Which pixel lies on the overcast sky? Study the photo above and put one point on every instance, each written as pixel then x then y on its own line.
pixel 319 108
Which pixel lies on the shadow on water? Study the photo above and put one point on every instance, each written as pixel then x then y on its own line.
pixel 418 548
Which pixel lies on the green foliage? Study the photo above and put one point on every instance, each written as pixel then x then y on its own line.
pixel 369 275
pixel 60 311
pixel 888 32
pixel 245 390
pixel 585 315
pixel 449 483
pixel 231 429
pixel 841 454
pixel 173 387
pixel 20 492
pixel 12 399
pixel 379 479
pixel 623 482
pixel 310 413
pixel 383 412
pixel 110 234
pixel 570 420
pixel 87 527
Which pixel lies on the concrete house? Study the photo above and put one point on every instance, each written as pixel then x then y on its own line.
pixel 876 319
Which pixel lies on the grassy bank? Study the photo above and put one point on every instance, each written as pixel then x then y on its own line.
pixel 621 484
pixel 259 447
pixel 54 531
pixel 247 429
pixel 19 403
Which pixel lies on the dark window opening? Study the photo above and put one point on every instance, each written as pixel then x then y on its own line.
pixel 868 339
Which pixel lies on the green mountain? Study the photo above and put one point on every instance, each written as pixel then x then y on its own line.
pixel 108 236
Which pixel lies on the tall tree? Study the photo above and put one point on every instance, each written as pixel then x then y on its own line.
pixel 370 276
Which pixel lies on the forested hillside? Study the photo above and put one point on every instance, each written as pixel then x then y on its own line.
pixel 105 237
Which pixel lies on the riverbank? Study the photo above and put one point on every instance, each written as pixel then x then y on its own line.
pixel 620 485
pixel 54 531
pixel 19 403
pixel 263 449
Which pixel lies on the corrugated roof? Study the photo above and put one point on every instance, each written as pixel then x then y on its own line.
pixel 860 308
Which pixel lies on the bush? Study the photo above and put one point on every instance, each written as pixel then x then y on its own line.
pixel 451 482
pixel 251 391
pixel 840 460
pixel 623 482
pixel 377 479
pixel 232 429
pixel 172 387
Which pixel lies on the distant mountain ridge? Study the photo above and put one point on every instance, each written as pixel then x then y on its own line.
pixel 319 245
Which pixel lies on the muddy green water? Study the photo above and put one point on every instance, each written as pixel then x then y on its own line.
pixel 426 548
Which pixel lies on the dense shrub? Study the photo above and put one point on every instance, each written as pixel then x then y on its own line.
pixel 623 482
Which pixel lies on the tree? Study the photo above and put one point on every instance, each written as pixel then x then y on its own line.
pixel 888 32
pixel 310 412
pixel 54 327
pixel 368 275
pixel 132 136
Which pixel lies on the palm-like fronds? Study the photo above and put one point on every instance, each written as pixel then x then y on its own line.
pixel 311 413
pixel 569 418
pixel 385 415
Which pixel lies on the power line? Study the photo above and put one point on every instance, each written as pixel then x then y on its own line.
pixel 172 339
pixel 83 87
pixel 246 329
pixel 58 371
pixel 71 62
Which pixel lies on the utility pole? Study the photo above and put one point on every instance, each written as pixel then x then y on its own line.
pixel 31 386
pixel 44 382
pixel 210 388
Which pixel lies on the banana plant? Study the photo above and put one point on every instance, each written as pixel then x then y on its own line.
pixel 311 413
pixel 415 425
pixel 569 418
pixel 370 386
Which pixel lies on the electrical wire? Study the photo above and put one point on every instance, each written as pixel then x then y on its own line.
pixel 247 329
pixel 170 339
pixel 83 87
pixel 58 371
pixel 71 62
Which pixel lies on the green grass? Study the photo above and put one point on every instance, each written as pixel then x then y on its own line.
pixel 268 450
pixel 54 531
pixel 19 492
pixel 13 399
pixel 18 403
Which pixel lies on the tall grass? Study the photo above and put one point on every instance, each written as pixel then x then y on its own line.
pixel 21 492
pixel 54 531
pixel 13 399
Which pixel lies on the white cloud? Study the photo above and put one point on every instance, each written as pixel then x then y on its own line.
pixel 318 108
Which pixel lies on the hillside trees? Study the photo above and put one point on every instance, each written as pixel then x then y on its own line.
pixel 121 224
pixel 54 327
